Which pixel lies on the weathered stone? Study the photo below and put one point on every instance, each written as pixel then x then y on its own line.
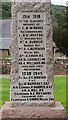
pixel 29 8
pixel 33 113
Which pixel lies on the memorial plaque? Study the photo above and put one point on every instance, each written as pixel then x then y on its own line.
pixel 32 58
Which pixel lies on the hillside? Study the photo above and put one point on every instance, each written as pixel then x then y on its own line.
pixel 58 12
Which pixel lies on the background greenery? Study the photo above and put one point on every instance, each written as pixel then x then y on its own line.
pixel 5 10
pixel 59 90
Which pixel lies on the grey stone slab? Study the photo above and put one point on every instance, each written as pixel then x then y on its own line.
pixel 33 113
pixel 32 85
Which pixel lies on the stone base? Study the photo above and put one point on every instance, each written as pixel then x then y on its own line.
pixel 33 113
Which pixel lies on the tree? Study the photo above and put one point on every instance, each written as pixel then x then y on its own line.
pixel 60 33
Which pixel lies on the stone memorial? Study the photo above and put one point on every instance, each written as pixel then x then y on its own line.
pixel 33 65
pixel 32 89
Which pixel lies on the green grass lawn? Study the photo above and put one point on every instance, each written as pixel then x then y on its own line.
pixel 59 86
pixel 4 90
pixel 60 90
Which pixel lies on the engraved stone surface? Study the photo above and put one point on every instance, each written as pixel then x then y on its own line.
pixel 32 57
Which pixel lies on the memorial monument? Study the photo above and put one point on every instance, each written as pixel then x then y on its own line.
pixel 32 89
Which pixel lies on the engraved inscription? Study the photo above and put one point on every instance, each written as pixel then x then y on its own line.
pixel 33 84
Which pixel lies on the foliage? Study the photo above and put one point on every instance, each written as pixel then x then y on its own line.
pixel 5 10
pixel 59 28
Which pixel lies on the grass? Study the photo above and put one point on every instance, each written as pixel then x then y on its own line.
pixel 4 90
pixel 59 90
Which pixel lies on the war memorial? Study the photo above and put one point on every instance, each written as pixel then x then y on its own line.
pixel 32 87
